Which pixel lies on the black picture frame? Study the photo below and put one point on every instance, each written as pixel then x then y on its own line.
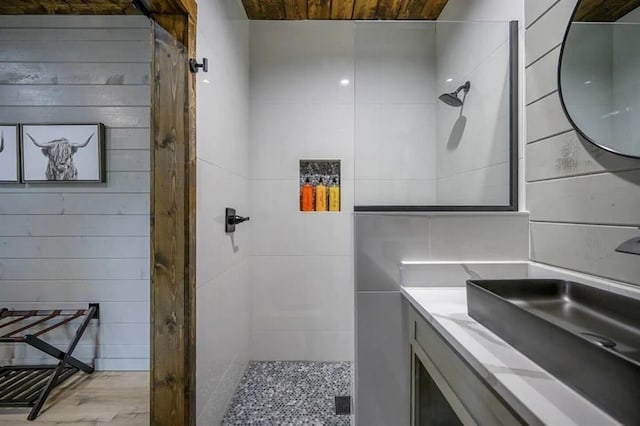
pixel 18 154
pixel 100 131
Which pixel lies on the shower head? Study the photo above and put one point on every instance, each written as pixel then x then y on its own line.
pixel 452 98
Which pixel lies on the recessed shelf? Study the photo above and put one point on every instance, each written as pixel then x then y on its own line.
pixel 319 186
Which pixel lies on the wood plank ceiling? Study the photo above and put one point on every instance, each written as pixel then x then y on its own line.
pixel 604 10
pixel 344 9
pixel 68 7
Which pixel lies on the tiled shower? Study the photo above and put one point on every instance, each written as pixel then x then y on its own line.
pixel 281 288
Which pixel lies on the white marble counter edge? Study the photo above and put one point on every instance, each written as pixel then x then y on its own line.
pixel 524 385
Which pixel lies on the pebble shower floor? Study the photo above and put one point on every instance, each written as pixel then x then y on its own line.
pixel 290 393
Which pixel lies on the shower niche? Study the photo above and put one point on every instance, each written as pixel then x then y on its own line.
pixel 319 186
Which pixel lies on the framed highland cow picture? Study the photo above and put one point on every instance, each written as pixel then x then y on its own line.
pixel 63 153
pixel 9 153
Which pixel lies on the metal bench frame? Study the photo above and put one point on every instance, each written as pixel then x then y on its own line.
pixel 30 385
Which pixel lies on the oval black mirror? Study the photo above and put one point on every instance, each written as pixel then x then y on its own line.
pixel 599 74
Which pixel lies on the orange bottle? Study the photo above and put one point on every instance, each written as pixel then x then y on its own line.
pixel 306 196
pixel 321 197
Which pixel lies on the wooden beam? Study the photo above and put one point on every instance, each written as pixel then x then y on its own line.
pixel 253 9
pixel 320 9
pixel 273 9
pixel 173 195
pixel 432 9
pixel 68 7
pixel 411 9
pixel 604 11
pixel 172 7
pixel 388 9
pixel 342 9
pixel 295 9
pixel 365 9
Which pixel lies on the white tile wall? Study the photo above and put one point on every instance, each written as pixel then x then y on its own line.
pixel 395 99
pixel 222 275
pixel 406 144
pixel 473 142
pixel 301 274
pixel 485 10
pixel 394 63
pixel 383 241
pixel 308 296
pixel 454 274
pixel 395 141
pixel 485 186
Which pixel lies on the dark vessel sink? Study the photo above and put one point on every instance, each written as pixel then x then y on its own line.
pixel 586 337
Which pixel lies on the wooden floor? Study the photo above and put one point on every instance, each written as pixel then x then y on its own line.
pixel 102 398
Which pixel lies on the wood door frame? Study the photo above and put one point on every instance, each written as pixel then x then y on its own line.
pixel 173 213
pixel 173 193
pixel 173 223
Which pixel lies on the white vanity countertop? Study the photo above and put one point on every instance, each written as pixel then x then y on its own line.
pixel 529 389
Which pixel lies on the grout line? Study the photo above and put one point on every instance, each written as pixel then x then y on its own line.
pixel 542 97
pixel 584 174
pixel 539 58
pixel 210 163
pixel 550 136
pixel 542 14
pixel 478 169
pixel 595 224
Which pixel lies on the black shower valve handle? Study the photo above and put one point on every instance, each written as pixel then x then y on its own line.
pixel 234 220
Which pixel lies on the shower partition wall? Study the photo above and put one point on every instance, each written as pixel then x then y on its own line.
pixel 416 152
pixel 436 116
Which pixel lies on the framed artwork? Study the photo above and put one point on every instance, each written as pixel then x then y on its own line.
pixel 9 153
pixel 63 153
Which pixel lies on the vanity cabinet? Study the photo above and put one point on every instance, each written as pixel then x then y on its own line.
pixel 445 390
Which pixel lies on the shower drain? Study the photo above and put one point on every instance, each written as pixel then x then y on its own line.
pixel 343 405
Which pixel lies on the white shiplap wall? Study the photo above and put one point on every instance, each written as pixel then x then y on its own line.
pixel 67 245
pixel 583 200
